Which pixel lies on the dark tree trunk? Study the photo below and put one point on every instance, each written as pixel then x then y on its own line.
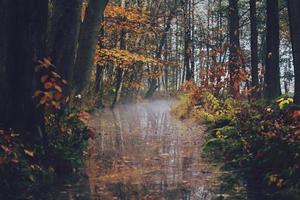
pixel 100 74
pixel 294 15
pixel 87 43
pixel 119 71
pixel 23 37
pixel 187 40
pixel 234 35
pixel 99 87
pixel 192 25
pixel 166 68
pixel 64 34
pixel 118 83
pixel 272 75
pixel 254 46
pixel 4 87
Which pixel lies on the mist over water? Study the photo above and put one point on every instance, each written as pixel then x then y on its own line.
pixel 142 152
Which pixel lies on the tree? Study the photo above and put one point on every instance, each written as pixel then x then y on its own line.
pixel 64 33
pixel 234 49
pixel 162 42
pixel 87 43
pixel 254 45
pixel 119 70
pixel 22 38
pixel 187 39
pixel 272 75
pixel 294 17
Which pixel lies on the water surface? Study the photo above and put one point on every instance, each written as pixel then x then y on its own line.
pixel 142 153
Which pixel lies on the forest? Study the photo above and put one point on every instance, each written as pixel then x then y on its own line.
pixel 150 99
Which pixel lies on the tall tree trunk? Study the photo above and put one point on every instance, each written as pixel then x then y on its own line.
pixel 272 76
pixel 119 70
pixel 87 43
pixel 64 34
pixel 5 13
pixel 166 68
pixel 23 37
pixel 294 15
pixel 153 81
pixel 254 46
pixel 187 40
pixel 234 35
pixel 192 17
pixel 99 85
pixel 100 73
pixel 208 35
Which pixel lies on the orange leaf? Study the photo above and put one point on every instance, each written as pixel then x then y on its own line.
pixel 55 104
pixel 58 88
pixel 48 85
pixel 29 153
pixel 64 82
pixel 296 114
pixel 43 100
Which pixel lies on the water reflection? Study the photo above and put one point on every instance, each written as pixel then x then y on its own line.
pixel 142 153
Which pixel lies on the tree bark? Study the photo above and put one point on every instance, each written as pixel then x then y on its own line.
pixel 87 43
pixel 64 34
pixel 234 35
pixel 23 38
pixel 294 16
pixel 187 40
pixel 254 46
pixel 272 75
pixel 4 87
pixel 119 70
pixel 192 26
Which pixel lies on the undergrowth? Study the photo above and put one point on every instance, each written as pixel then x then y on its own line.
pixel 29 163
pixel 257 144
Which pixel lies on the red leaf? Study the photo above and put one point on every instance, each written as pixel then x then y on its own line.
pixel 2 160
pixel 44 78
pixel 15 161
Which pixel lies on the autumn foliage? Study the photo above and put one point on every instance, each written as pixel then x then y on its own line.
pixel 251 141
pixel 28 163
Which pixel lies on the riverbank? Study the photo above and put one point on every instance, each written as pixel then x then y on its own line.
pixel 256 144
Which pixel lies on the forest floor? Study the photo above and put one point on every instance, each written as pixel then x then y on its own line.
pixel 142 152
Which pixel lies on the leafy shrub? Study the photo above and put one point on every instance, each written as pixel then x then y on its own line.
pixel 16 165
pixel 262 143
pixel 258 144
pixel 68 138
pixel 184 107
pixel 29 162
